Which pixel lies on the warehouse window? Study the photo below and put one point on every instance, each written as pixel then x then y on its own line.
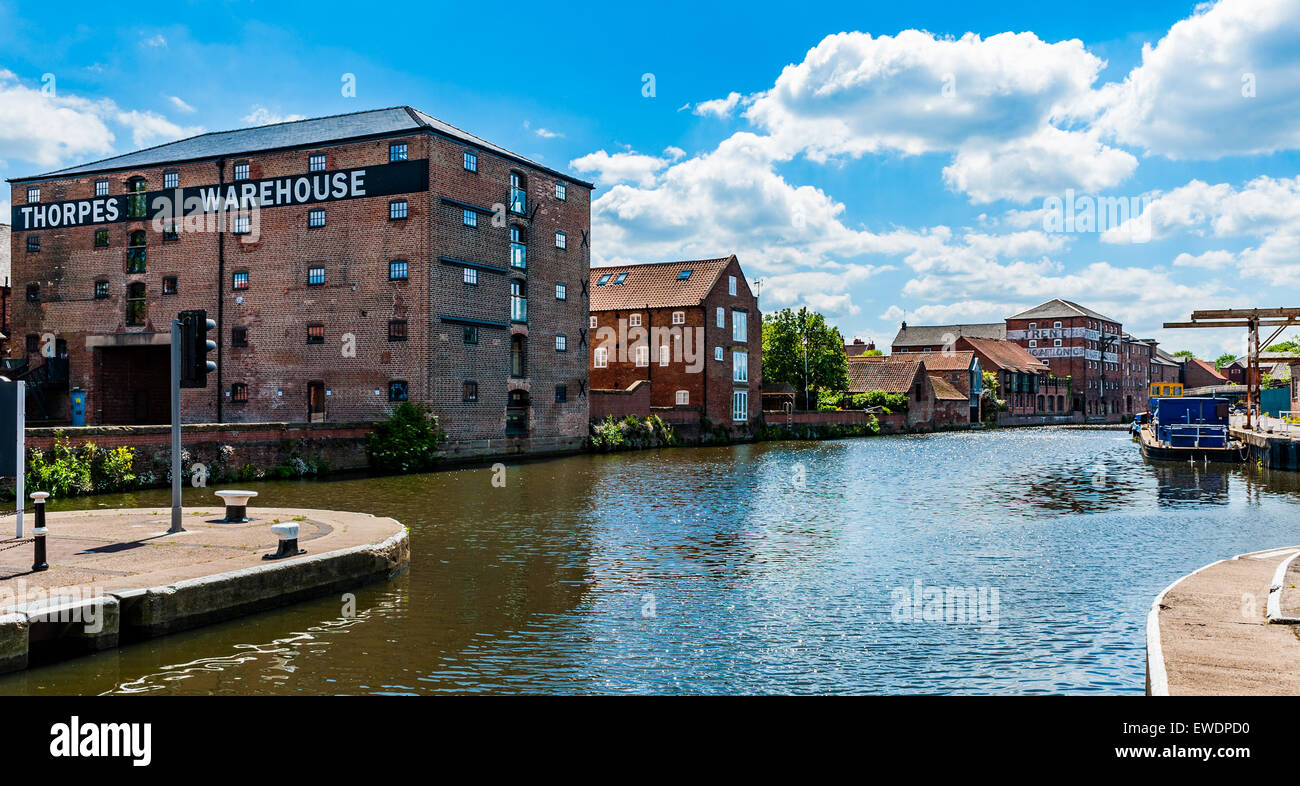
pixel 469 218
pixel 315 275
pixel 518 193
pixel 397 209
pixel 239 337
pixel 717 353
pixel 601 358
pixel 33 342
pixel 470 391
pixel 561 292
pixel 471 161
pixel 33 194
pixel 316 217
pixel 135 252
pixel 169 231
pixel 397 270
pixel 33 293
pixel 1032 343
pixel 397 330
pixel 469 334
pixel 101 188
pixel 135 304
pixel 169 285
pixel 316 333
pixel 101 290
pixel 518 356
pixel 316 162
pixel 518 301
pixel 560 191
pixel 561 240
pixel 561 343
pixel 243 225
pixel 33 244
pixel 397 387
pixel 171 180
pixel 518 251
pixel 241 170
pixel 397 151
pixel 239 393
pixel 471 276
pixel 135 200
pixel 239 279
pixel 561 394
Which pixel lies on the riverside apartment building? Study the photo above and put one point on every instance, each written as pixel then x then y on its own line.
pixel 350 262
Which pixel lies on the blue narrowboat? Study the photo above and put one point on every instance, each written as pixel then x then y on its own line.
pixel 1186 427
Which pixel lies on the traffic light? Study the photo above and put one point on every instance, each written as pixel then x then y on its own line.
pixel 195 346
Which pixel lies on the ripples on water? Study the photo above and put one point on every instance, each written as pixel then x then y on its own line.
pixel 751 569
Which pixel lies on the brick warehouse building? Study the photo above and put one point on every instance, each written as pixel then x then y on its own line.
pixel 1078 343
pixel 691 330
pixel 350 262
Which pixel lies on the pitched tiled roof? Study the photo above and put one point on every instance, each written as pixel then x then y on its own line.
pixel 890 373
pixel 1007 356
pixel 938 335
pixel 654 285
pixel 1057 308
pixel 943 389
pixel 948 361
pixel 295 133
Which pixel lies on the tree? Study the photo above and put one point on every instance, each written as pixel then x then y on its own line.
pixel 783 352
pixel 1185 353
pixel 1224 360
pixel 872 353
pixel 1284 346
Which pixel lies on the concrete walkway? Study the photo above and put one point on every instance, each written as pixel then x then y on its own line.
pixel 124 575
pixel 1208 633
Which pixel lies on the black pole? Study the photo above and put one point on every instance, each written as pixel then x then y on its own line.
pixel 38 562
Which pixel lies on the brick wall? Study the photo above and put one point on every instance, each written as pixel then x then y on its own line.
pixel 633 400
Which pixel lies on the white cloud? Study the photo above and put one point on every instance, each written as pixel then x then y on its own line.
pixel 180 104
pixel 49 129
pixel 1050 160
pixel 630 167
pixel 961 312
pixel 1210 260
pixel 546 133
pixel 259 115
pixel 156 41
pixel 1186 99
pixel 718 107
pixel 148 128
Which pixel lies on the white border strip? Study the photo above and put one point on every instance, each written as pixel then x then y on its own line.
pixel 1157 677
pixel 1274 613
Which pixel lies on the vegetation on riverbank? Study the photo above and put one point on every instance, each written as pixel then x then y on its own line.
pixel 630 433
pixel 408 441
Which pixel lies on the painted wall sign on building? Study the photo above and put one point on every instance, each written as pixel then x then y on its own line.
pixel 402 177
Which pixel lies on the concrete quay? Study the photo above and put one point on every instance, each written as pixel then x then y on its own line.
pixel 1229 628
pixel 118 575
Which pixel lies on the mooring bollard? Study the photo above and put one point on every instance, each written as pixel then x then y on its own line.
pixel 38 534
pixel 288 535
pixel 236 504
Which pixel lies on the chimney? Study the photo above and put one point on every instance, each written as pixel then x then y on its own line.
pixel 904 326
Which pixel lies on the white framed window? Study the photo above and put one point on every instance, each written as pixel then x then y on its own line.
pixel 739 366
pixel 740 405
pixel 643 355
pixel 316 162
pixel 634 320
pixel 243 225
pixel 600 359
pixel 717 354
pixel 679 317
pixel 731 285
pixel 739 326
pixel 241 170
pixel 471 275
pixel 171 180
pixel 33 194
pixel 561 241
pixel 561 343
pixel 561 191
pixel 561 291
pixel 665 354
pixel 1032 343
pixel 316 217
pixel 1056 324
pixel 470 219
pixel 101 188
pixel 722 317
pixel 683 398
pixel 592 322
pixel 1033 325
pixel 1056 342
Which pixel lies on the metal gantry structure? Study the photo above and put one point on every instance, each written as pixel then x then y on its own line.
pixel 1252 319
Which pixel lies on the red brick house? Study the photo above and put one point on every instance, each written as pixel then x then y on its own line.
pixel 350 262
pixel 691 330
pixel 1024 381
pixel 964 372
pixel 1199 374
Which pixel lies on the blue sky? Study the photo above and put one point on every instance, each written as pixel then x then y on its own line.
pixel 886 162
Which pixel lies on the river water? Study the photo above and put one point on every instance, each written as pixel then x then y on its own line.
pixel 797 567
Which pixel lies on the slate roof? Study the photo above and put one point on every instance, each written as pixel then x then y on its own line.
pixel 1007 356
pixel 1057 308
pixel 933 335
pixel 295 133
pixel 888 373
pixel 654 284
pixel 944 390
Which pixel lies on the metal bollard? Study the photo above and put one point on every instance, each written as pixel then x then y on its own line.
pixel 288 535
pixel 38 534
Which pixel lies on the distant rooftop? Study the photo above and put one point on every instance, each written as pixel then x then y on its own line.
pixel 654 284
pixel 292 134
pixel 1057 308
pixel 934 335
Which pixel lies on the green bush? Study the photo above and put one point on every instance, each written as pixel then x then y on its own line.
pixel 407 441
pixel 630 432
pixel 67 471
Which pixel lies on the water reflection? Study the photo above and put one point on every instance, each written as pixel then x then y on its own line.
pixel 750 569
